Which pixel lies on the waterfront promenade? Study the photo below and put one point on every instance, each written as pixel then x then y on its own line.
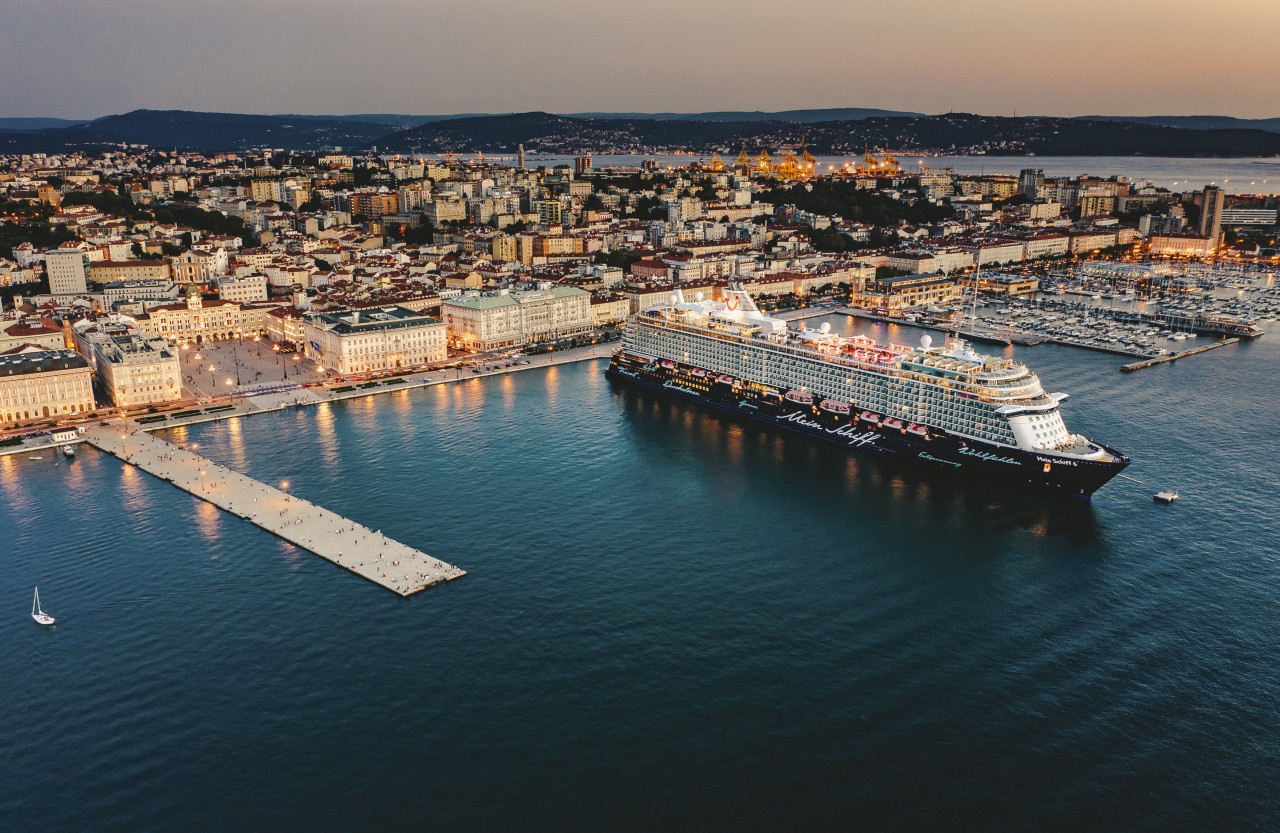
pixel 248 402
pixel 366 552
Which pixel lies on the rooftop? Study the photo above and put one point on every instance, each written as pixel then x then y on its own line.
pixel 43 362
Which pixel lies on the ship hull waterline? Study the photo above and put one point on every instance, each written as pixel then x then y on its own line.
pixel 939 451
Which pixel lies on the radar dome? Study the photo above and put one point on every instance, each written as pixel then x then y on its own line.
pixel 926 341
pixel 825 328
pixel 697 296
pixel 673 299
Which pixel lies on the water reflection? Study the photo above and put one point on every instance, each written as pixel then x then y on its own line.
pixel 327 437
pixel 134 493
pixel 235 442
pixel 207 520
pixel 814 476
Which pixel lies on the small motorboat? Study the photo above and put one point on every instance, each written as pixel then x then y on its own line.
pixel 68 451
pixel 1167 496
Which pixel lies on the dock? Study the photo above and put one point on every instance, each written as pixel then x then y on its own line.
pixel 366 552
pixel 1173 357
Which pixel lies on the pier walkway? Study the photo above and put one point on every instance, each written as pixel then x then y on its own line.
pixel 366 552
pixel 1173 357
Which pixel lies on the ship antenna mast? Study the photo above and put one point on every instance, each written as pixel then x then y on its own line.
pixel 958 321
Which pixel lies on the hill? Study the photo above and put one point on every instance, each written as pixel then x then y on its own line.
pixel 1196 122
pixel 187 129
pixel 955 133
pixel 950 133
pixel 550 133
pixel 796 116
pixel 35 122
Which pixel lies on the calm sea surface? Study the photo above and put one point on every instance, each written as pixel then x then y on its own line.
pixel 1235 175
pixel 672 621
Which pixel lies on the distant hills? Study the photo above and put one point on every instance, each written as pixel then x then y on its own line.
pixel 952 133
pixel 823 131
pixel 36 123
pixel 797 116
pixel 1196 122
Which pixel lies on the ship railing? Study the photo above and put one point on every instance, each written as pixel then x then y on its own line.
pixel 774 346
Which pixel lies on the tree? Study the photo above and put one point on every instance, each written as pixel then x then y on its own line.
pixel 837 198
pixel 593 203
pixel 620 258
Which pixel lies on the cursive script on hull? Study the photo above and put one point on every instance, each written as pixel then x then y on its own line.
pixel 989 457
pixel 848 432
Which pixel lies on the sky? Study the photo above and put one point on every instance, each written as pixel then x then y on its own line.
pixel 88 58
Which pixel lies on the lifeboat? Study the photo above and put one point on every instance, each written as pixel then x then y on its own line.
pixel 918 430
pixel 867 416
pixel 834 407
pixel 668 365
pixel 892 422
pixel 800 397
pixel 725 380
pixel 697 371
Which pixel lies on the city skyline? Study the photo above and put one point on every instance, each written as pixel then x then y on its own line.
pixel 991 57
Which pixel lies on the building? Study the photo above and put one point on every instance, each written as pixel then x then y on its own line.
pixel 609 308
pixel 1002 284
pixel 508 318
pixel 66 271
pixel 1181 245
pixel 1046 245
pixel 383 338
pixel 40 384
pixel 1249 217
pixel 244 288
pixel 1087 242
pixel 442 209
pixel 904 291
pixel 285 325
pixel 30 330
pixel 198 320
pixel 193 267
pixel 109 271
pixel 1096 205
pixel 550 213
pixel 136 369
pixel 1215 199
pixel 374 205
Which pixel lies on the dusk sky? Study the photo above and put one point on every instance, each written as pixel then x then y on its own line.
pixel 73 58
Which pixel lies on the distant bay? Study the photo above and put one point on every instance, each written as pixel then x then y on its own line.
pixel 1238 175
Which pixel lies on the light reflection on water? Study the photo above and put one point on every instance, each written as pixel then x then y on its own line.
pixel 648 582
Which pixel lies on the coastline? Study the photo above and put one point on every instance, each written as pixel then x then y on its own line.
pixel 308 396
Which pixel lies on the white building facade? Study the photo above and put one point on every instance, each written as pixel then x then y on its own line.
pixel 384 338
pixel 514 318
pixel 138 370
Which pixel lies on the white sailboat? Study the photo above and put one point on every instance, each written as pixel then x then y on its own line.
pixel 39 615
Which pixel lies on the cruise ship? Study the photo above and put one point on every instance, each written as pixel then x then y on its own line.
pixel 946 406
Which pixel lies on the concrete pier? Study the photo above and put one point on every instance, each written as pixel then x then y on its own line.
pixel 363 551
pixel 1173 357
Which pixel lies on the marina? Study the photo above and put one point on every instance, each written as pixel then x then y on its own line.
pixel 366 552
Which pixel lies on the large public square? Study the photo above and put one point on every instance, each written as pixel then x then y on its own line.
pixel 218 368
